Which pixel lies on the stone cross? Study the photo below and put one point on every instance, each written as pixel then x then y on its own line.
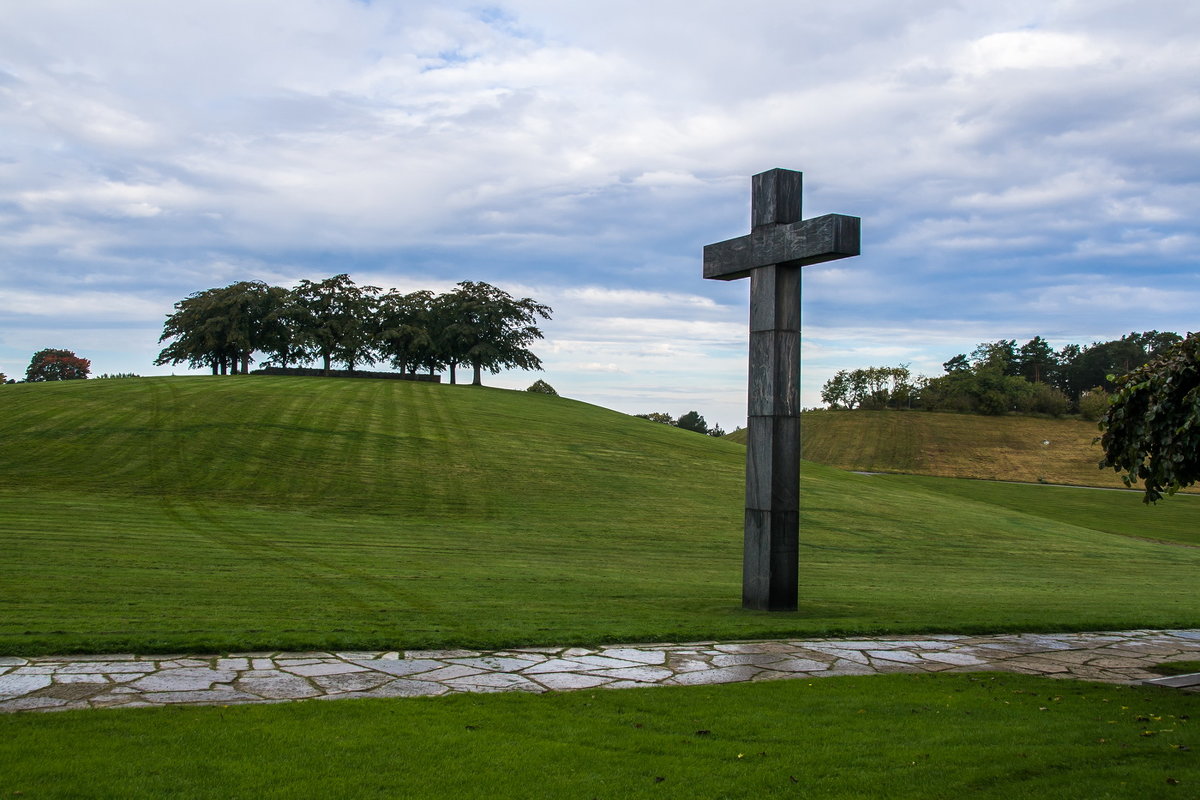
pixel 779 244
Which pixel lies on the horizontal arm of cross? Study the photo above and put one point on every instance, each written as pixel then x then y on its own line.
pixel 809 241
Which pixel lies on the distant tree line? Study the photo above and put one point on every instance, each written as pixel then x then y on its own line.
pixel 999 377
pixel 691 421
pixel 336 321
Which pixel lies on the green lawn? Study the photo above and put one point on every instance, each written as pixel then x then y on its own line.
pixel 1174 519
pixel 248 512
pixel 892 736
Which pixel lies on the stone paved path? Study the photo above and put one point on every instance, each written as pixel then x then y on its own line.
pixel 126 681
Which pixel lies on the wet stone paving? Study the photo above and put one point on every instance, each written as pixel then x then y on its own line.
pixel 70 682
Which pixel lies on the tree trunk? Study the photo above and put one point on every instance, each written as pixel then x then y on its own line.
pixel 477 380
pixel 246 363
pixel 224 365
pixel 325 358
pixel 453 364
pixel 214 366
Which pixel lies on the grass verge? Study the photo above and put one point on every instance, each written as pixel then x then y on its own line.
pixel 894 736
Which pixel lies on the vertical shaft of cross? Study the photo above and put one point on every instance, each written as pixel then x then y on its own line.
pixel 772 532
pixel 779 244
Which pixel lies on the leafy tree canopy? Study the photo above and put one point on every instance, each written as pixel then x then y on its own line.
pixel 1152 426
pixel 57 365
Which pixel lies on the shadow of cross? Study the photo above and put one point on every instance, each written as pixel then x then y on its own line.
pixel 779 244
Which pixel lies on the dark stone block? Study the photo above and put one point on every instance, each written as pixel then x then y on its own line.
pixel 775 197
pixel 810 241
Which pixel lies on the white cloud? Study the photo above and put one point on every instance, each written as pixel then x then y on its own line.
pixel 1031 50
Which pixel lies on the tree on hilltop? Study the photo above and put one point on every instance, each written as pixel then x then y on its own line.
pixel 486 327
pixel 1152 425
pixel 692 421
pixel 405 330
pixel 336 320
pixel 222 328
pixel 57 365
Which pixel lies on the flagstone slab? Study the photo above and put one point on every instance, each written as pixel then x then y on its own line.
pixel 12 661
pixel 82 678
pixel 125 677
pixel 838 653
pixel 400 667
pixel 799 665
pixel 17 685
pixel 495 664
pixel 282 687
pixel 1035 666
pixel 557 665
pixel 33 704
pixel 496 682
pixel 747 659
pixel 846 667
pixel 647 674
pixel 441 655
pixel 572 652
pixel 109 666
pixel 566 681
pixel 352 682
pixel 447 673
pixel 894 655
pixel 601 662
pixel 1176 681
pixel 631 654
pixel 334 668
pixel 187 679
pixel 753 648
pixel 957 659
pixel 714 676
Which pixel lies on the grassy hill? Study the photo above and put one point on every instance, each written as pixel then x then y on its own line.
pixel 1009 448
pixel 210 513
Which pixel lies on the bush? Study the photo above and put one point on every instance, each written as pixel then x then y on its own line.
pixel 1093 403
pixel 1042 398
pixel 541 387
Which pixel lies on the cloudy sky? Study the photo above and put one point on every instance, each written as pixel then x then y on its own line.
pixel 1021 168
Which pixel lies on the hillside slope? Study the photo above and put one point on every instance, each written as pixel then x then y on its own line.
pixel 251 512
pixel 1009 448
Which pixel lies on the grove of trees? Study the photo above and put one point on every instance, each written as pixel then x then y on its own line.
pixel 336 321
pixel 999 377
